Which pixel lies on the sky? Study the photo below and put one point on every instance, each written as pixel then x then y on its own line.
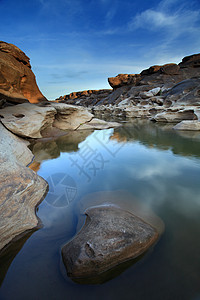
pixel 76 45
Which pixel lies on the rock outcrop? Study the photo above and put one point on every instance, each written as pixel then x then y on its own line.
pixel 109 237
pixel 52 119
pixel 85 98
pixel 167 93
pixel 21 188
pixel 17 81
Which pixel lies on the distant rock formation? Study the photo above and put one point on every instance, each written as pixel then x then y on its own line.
pixel 167 93
pixel 85 97
pixel 17 81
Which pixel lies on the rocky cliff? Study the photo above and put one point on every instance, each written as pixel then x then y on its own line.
pixel 17 81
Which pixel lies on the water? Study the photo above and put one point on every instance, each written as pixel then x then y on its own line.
pixel 143 167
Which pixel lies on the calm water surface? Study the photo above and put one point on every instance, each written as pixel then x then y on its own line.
pixel 142 167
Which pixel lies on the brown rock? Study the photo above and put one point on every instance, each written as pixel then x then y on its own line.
pixel 192 61
pixel 17 81
pixel 109 237
pixel 123 79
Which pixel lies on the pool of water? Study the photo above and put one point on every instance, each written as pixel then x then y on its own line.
pixel 142 167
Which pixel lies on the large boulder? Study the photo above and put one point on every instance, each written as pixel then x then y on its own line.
pixel 28 120
pixel 124 79
pixel 21 188
pixel 187 92
pixel 17 81
pixel 70 117
pixel 109 237
pixel 188 125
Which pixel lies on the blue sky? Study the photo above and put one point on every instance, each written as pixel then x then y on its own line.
pixel 77 44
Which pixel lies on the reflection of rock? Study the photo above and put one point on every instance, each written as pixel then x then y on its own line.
pixel 35 166
pixel 21 188
pixel 161 137
pixel 44 150
pixel 17 81
pixel 8 254
pixel 109 237
pixel 99 124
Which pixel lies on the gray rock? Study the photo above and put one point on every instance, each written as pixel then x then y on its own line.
pixel 21 188
pixel 109 237
pixel 188 125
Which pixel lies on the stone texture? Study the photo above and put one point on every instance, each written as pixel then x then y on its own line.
pixel 188 125
pixel 21 188
pixel 109 237
pixel 28 120
pixel 123 79
pixel 17 81
pixel 70 117
pixel 175 115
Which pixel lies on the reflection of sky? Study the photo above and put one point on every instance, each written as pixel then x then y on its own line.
pixel 154 176
pixel 138 177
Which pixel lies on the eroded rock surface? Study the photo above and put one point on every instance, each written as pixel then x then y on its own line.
pixel 167 93
pixel 109 237
pixel 17 81
pixel 21 188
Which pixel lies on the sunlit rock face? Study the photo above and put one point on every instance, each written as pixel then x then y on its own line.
pixel 109 237
pixel 17 81
pixel 21 188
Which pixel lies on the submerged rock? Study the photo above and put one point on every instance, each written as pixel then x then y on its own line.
pixel 109 237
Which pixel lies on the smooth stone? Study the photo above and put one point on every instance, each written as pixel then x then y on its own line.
pixel 28 120
pixel 21 188
pixel 109 237
pixel 70 117
pixel 188 125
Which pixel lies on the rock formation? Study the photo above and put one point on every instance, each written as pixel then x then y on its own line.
pixel 109 237
pixel 17 81
pixel 49 119
pixel 167 93
pixel 21 188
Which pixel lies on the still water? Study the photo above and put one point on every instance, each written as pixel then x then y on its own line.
pixel 146 168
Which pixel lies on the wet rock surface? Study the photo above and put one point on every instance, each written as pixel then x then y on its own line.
pixel 109 237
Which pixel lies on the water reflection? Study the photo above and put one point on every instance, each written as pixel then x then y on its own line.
pixel 155 174
pixel 159 136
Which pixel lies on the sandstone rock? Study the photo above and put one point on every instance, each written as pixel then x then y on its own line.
pixel 188 125
pixel 70 117
pixel 21 188
pixel 17 81
pixel 123 79
pixel 98 124
pixel 109 237
pixel 28 120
